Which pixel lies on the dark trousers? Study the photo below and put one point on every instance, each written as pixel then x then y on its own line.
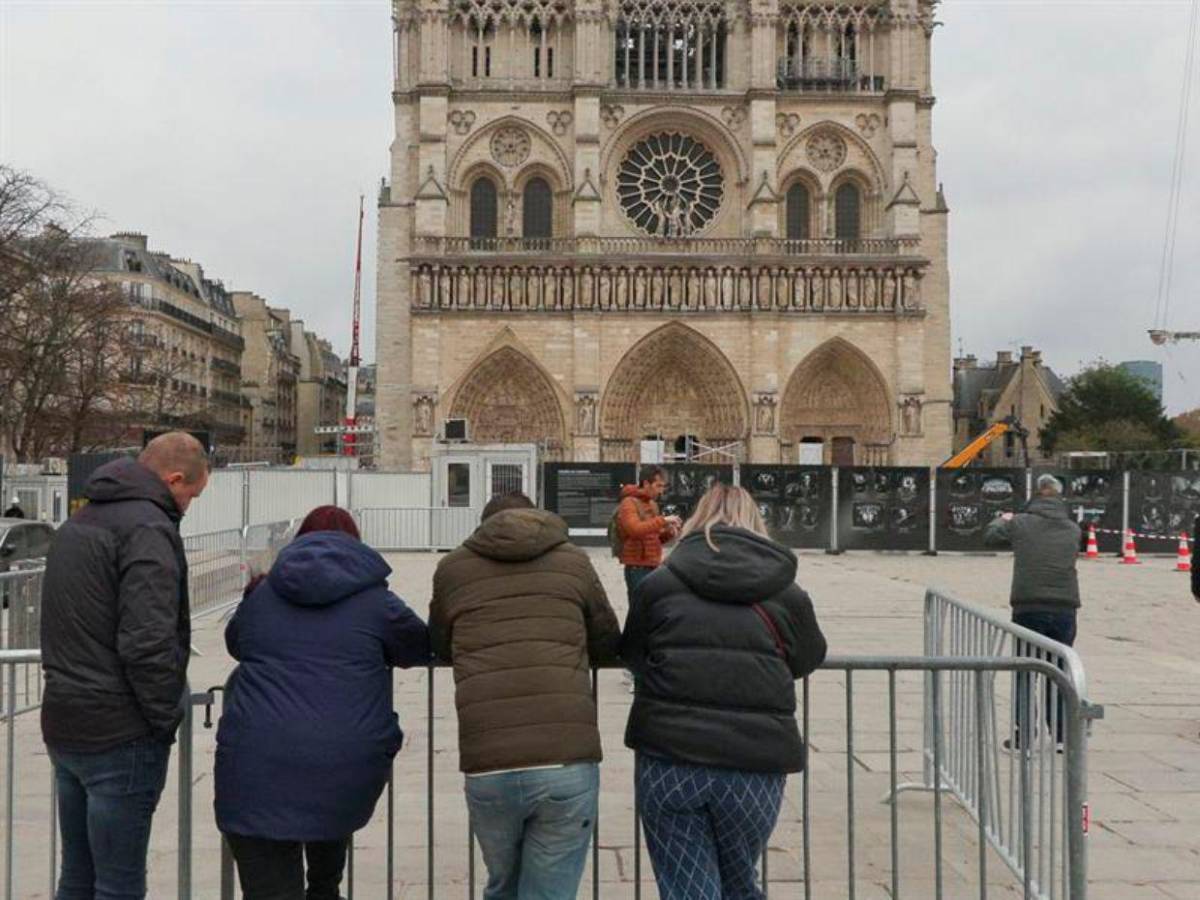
pixel 634 575
pixel 274 870
pixel 106 802
pixel 1059 627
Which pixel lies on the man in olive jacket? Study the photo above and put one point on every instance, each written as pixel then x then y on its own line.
pixel 522 615
pixel 115 646
pixel 1045 584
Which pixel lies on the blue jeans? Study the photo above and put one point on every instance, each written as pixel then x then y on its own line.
pixel 706 828
pixel 1059 627
pixel 105 804
pixel 534 828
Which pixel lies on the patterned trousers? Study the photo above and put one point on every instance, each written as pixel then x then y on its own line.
pixel 706 828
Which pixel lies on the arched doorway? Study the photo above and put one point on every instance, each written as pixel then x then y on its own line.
pixel 508 399
pixel 837 398
pixel 674 384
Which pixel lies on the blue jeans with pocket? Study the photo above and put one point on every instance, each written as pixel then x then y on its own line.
pixel 534 828
pixel 106 802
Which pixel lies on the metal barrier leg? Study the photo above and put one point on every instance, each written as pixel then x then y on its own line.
pixel 10 741
pixel 185 802
pixel 895 810
pixel 850 892
pixel 429 785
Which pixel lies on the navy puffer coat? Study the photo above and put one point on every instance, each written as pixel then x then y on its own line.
pixel 308 733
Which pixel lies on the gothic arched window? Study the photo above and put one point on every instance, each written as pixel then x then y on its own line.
pixel 797 212
pixel 484 208
pixel 848 212
pixel 537 209
pixel 662 46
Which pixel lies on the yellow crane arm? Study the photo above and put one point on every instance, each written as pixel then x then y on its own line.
pixel 977 446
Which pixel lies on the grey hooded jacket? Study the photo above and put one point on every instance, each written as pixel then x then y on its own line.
pixel 1045 544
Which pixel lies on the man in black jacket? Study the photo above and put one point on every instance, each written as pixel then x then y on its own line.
pixel 1195 563
pixel 115 645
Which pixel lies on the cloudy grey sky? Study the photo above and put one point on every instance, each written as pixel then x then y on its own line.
pixel 240 134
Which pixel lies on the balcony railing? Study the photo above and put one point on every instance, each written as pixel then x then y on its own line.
pixel 655 246
pixel 224 365
pixel 824 75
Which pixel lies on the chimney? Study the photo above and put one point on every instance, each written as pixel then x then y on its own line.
pixel 1026 352
pixel 131 237
pixel 1036 356
pixel 1004 358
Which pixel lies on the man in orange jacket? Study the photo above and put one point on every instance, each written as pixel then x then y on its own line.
pixel 642 528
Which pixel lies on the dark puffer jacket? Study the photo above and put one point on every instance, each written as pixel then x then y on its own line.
pixel 1045 546
pixel 716 641
pixel 308 732
pixel 115 620
pixel 522 615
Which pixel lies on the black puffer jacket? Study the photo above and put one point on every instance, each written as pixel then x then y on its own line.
pixel 716 640
pixel 115 618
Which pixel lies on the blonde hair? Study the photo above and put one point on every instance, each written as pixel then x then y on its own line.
pixel 725 504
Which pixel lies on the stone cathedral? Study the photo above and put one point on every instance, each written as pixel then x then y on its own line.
pixel 708 222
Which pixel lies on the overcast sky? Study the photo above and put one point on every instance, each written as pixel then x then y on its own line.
pixel 240 134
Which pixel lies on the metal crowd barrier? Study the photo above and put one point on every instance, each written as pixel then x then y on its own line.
pixel 20 629
pixel 959 690
pixel 1027 795
pixel 417 527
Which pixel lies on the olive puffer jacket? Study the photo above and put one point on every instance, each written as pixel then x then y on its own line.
pixel 716 639
pixel 523 616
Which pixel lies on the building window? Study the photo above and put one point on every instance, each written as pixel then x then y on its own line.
pixel 848 212
pixel 797 213
pixel 671 46
pixel 670 185
pixel 484 208
pixel 537 210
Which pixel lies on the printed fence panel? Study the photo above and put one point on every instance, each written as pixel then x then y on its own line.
pixel 585 496
pixel 796 502
pixel 883 508
pixel 969 499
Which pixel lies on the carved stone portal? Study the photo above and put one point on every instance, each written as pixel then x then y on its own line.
pixel 507 399
pixel 836 392
pixel 674 382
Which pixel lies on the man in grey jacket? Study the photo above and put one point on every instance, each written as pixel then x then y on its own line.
pixel 1045 585
pixel 115 644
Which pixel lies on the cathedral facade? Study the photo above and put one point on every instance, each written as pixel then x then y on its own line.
pixel 709 222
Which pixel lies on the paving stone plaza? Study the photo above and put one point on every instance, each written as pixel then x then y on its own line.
pixel 1138 631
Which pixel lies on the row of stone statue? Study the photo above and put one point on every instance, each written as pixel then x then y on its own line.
pixel 810 289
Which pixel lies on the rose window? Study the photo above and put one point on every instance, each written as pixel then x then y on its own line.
pixel 670 185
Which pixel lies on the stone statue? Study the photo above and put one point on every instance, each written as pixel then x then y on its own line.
pixel 586 414
pixel 764 415
pixel 423 420
pixel 911 414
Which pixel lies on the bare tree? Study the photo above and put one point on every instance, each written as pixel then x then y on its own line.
pixel 60 324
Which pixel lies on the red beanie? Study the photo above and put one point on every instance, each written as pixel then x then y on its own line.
pixel 329 518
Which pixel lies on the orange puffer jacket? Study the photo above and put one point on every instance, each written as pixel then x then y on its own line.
pixel 642 527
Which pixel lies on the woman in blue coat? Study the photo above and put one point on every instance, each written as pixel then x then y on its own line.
pixel 307 736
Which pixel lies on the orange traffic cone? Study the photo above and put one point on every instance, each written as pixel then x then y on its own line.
pixel 1183 562
pixel 1129 554
pixel 1093 546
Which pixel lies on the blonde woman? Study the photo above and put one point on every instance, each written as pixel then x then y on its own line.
pixel 717 638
